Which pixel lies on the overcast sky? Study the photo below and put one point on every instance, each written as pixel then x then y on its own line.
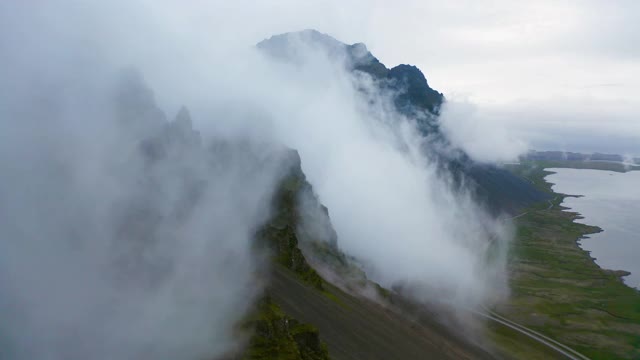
pixel 553 74
pixel 548 74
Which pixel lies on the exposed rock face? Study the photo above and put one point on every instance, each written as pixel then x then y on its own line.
pixel 314 222
pixel 415 91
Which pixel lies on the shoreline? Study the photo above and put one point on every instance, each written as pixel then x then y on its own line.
pixel 558 288
pixel 620 274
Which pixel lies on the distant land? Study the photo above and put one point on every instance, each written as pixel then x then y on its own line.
pixel 573 156
pixel 596 161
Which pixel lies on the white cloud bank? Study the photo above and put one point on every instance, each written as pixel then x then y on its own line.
pixel 482 135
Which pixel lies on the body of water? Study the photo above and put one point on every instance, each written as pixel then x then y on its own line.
pixel 611 201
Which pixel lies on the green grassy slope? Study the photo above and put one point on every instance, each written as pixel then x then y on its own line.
pixel 510 344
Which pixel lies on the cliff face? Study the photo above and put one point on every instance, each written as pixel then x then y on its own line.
pixel 280 233
pixel 298 219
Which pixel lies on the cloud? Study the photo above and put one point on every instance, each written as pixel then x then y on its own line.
pixel 484 137
pixel 122 236
pixel 507 54
pixel 391 207
pixel 585 125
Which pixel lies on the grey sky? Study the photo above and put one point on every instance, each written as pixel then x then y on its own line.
pixel 549 74
pixel 546 74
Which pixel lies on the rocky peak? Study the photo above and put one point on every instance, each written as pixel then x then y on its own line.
pixel 408 82
pixel 415 89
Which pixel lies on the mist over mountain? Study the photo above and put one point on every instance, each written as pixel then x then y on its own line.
pixel 128 233
pixel 408 89
pixel 109 236
pixel 367 164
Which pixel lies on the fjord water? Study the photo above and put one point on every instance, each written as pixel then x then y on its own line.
pixel 610 200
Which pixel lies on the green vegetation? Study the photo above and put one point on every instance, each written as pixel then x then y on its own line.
pixel 558 290
pixel 279 234
pixel 514 345
pixel 277 336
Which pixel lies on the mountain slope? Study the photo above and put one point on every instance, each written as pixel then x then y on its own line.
pixel 355 328
pixel 352 326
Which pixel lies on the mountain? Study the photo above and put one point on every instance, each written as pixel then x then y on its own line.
pixel 301 314
pixel 308 310
pixel 497 188
pixel 412 94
